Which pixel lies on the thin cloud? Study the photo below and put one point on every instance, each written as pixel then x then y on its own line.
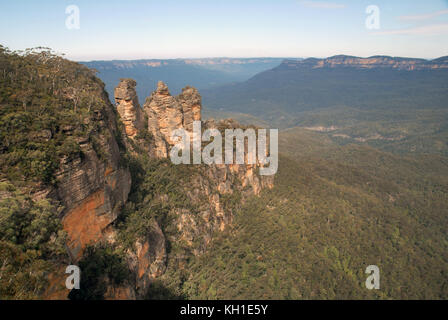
pixel 429 30
pixel 322 5
pixel 422 17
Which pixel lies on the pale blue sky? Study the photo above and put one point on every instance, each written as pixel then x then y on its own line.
pixel 113 29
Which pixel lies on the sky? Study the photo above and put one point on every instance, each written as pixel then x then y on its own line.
pixel 146 29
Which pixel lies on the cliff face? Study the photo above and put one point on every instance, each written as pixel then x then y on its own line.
pixel 91 189
pixel 92 185
pixel 148 260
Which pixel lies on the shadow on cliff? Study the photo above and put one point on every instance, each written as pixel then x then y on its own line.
pixel 158 291
pixel 102 268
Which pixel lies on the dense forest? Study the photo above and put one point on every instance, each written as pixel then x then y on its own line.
pixel 334 211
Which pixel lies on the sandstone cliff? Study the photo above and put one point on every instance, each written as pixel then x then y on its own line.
pixel 128 107
pixel 93 185
pixel 92 189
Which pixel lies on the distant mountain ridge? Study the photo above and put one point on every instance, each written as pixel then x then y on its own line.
pixel 180 61
pixel 368 63
pixel 400 104
pixel 279 95
pixel 201 73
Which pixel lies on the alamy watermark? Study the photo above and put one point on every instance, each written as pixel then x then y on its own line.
pixel 373 280
pixel 73 280
pixel 373 19
pixel 73 20
pixel 212 153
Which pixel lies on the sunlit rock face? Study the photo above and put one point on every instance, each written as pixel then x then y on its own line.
pixel 191 103
pixel 167 113
pixel 128 107
pixel 164 116
pixel 94 187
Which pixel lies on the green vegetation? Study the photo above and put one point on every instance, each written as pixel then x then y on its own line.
pixel 31 243
pixel 157 189
pixel 333 211
pixel 46 105
pixel 101 266
pixel 285 90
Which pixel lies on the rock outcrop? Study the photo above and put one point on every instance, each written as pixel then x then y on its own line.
pixel 128 107
pixel 164 116
pixel 167 113
pixel 191 103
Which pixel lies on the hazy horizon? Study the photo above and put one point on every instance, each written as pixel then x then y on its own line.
pixel 115 30
pixel 256 57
